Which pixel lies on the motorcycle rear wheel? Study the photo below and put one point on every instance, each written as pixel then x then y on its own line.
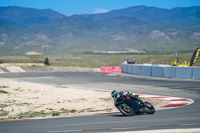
pixel 149 108
pixel 126 109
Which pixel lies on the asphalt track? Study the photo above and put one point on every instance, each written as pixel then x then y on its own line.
pixel 183 117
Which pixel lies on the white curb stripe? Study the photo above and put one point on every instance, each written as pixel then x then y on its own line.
pixel 174 101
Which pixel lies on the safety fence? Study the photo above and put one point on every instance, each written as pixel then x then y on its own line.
pixel 162 71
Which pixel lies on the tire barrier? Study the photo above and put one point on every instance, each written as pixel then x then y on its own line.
pixel 162 71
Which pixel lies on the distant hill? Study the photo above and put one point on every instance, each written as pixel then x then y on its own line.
pixel 160 17
pixel 27 16
pixel 150 29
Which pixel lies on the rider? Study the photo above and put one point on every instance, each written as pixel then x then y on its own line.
pixel 132 96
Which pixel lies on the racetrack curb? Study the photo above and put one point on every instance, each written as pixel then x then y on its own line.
pixel 174 101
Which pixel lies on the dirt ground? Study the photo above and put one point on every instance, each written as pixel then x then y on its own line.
pixel 24 100
pixel 16 67
pixel 23 67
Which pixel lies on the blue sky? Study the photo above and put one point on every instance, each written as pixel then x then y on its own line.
pixel 70 7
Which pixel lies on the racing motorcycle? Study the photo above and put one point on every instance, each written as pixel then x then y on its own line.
pixel 129 106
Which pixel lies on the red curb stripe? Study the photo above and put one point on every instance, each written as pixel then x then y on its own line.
pixel 179 100
pixel 174 105
pixel 158 97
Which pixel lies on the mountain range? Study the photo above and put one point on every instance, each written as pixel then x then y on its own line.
pixel 142 28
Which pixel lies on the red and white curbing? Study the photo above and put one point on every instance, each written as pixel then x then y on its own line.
pixel 174 101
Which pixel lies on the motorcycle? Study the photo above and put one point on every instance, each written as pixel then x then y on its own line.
pixel 129 107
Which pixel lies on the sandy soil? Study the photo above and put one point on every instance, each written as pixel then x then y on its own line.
pixel 24 99
pixel 16 67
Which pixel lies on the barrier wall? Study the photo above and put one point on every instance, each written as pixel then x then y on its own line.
pixel 169 72
pixel 137 70
pixel 146 70
pixel 162 71
pixel 124 68
pixel 129 69
pixel 157 71
pixel 196 73
pixel 184 72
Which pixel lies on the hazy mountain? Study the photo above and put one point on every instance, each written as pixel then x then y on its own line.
pixel 27 16
pixel 160 17
pixel 143 28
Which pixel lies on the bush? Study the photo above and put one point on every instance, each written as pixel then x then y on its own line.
pixel 56 114
pixel 3 112
pixel 46 61
pixel 4 86
pixel 2 91
pixel 73 111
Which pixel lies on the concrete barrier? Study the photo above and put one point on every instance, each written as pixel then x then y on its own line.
pixel 157 71
pixel 169 72
pixel 184 72
pixel 146 70
pixel 124 68
pixel 137 70
pixel 130 69
pixel 162 71
pixel 196 73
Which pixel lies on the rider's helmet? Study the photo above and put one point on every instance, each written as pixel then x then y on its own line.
pixel 113 93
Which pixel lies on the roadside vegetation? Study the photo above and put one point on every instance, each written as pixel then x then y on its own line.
pixel 3 91
pixel 89 60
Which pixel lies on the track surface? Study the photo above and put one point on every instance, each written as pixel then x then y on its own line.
pixel 183 117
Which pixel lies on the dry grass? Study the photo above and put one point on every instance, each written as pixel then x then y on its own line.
pixel 97 60
pixel 84 62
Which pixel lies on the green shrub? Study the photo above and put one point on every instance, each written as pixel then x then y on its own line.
pixel 3 105
pixel 73 111
pixel 4 86
pixel 31 114
pixel 46 61
pixel 2 91
pixel 65 110
pixel 3 112
pixel 56 113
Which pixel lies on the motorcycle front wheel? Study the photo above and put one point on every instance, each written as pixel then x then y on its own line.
pixel 149 108
pixel 126 109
